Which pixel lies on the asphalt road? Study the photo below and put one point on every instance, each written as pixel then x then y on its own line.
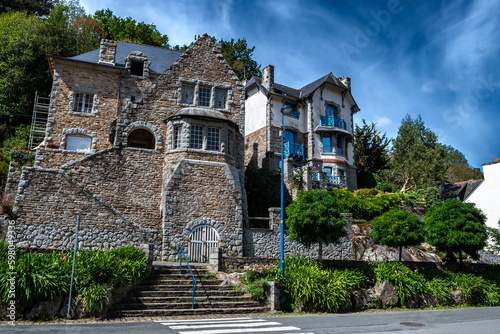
pixel 454 321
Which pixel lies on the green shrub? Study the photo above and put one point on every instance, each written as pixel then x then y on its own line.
pixel 256 272
pixel 257 289
pixel 476 290
pixel 407 283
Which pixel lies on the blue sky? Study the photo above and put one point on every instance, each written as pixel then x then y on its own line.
pixel 437 59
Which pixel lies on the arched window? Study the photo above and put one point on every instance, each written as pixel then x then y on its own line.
pixel 78 143
pixel 141 138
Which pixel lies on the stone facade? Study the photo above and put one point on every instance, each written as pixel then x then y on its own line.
pixel 140 176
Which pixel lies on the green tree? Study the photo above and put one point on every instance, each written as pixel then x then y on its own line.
pixel 398 228
pixel 37 7
pixel 494 237
pixel 314 218
pixel 371 149
pixel 458 168
pixel 128 29
pixel 417 158
pixel 454 226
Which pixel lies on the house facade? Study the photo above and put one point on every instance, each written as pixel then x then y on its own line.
pixel 318 134
pixel 485 195
pixel 150 151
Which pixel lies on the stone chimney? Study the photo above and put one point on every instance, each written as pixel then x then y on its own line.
pixel 107 53
pixel 346 81
pixel 268 77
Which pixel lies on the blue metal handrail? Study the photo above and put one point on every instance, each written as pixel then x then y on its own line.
pixel 180 271
pixel 332 179
pixel 294 150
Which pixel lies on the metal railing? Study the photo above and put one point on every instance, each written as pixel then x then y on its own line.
pixel 333 121
pixel 294 150
pixel 180 271
pixel 329 149
pixel 332 179
pixel 315 176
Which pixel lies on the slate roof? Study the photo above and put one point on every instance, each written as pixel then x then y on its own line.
pixel 160 58
pixel 298 93
pixel 462 190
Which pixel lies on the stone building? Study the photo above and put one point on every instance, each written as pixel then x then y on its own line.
pixel 319 133
pixel 151 151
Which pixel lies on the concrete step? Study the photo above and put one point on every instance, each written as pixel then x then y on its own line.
pixel 176 281
pixel 184 287
pixel 186 305
pixel 154 293
pixel 183 299
pixel 187 311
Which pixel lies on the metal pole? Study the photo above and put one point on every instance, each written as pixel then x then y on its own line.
pixel 282 255
pixel 73 267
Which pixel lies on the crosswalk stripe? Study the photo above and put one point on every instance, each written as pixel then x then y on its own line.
pixel 252 324
pixel 243 330
pixel 211 322
pixel 216 319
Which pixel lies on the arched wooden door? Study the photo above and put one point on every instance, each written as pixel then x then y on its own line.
pixel 201 240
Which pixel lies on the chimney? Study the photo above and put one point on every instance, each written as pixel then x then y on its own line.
pixel 346 81
pixel 268 77
pixel 107 53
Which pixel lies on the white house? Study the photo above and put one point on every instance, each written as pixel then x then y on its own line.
pixel 487 195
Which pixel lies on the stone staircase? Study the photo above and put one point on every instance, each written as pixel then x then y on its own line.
pixel 167 293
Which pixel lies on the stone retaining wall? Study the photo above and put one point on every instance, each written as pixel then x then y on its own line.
pixel 265 243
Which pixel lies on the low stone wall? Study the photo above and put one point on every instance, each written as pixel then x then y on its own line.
pixel 265 243
pixel 55 158
pixel 47 204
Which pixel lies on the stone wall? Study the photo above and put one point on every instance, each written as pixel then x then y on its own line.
pixel 48 203
pixel 202 193
pixel 265 243
pixel 52 158
pixel 128 179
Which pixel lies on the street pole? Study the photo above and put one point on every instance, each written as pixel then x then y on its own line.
pixel 73 267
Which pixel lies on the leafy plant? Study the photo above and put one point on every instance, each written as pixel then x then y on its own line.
pixel 94 297
pixel 398 228
pixel 407 283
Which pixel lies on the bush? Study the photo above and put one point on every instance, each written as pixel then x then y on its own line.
pixel 43 276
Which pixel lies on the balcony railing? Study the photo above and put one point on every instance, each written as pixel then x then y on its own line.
pixel 294 150
pixel 332 179
pixel 315 176
pixel 333 121
pixel 329 149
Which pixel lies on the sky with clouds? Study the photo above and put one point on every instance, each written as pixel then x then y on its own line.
pixel 434 58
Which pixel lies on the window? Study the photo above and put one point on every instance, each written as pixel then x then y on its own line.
pixel 230 142
pixel 141 138
pixel 339 144
pixel 196 137
pixel 213 139
pixel 295 112
pixel 177 136
pixel 83 102
pixel 331 111
pixel 328 171
pixel 327 144
pixel 204 96
pixel 220 98
pixel 341 172
pixel 187 92
pixel 137 68
pixel 290 137
pixel 78 143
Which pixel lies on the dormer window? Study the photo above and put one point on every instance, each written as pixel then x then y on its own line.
pixel 137 68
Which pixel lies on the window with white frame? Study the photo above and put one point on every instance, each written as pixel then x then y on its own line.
pixel 213 139
pixel 187 94
pixel 204 96
pixel 220 98
pixel 78 143
pixel 177 136
pixel 83 102
pixel 196 137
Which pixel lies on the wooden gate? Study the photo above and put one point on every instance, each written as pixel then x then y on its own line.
pixel 201 240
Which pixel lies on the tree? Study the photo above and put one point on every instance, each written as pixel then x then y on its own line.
pixel 371 149
pixel 37 7
pixel 128 29
pixel 454 226
pixel 458 168
pixel 417 158
pixel 398 228
pixel 314 218
pixel 88 33
pixel 494 236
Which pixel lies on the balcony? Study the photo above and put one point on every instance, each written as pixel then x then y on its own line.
pixel 333 121
pixel 329 149
pixel 331 179
pixel 294 150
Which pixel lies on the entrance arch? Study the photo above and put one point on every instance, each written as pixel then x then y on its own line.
pixel 201 241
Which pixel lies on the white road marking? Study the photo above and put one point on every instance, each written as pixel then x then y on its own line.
pixel 252 324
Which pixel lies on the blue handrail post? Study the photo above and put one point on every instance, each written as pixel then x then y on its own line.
pixel 181 251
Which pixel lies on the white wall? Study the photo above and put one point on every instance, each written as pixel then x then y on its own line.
pixel 487 195
pixel 255 111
